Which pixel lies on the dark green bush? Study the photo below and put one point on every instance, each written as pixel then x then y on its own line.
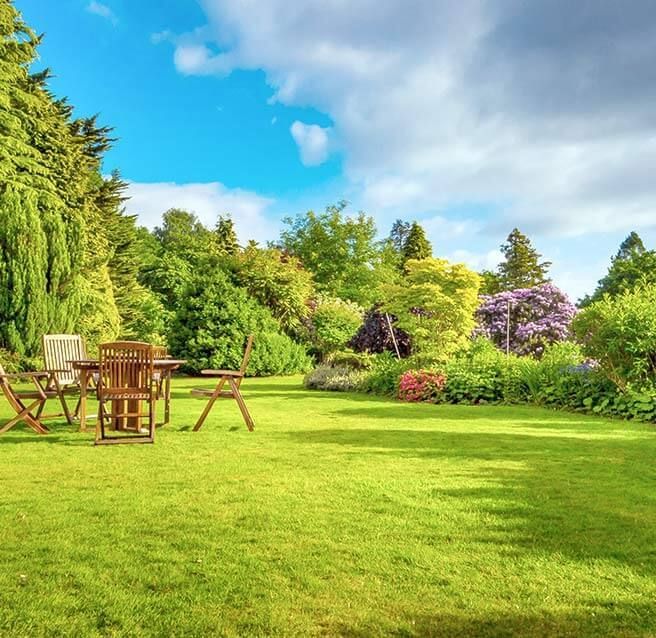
pixel 211 324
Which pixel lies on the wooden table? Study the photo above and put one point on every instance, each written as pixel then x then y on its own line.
pixel 88 367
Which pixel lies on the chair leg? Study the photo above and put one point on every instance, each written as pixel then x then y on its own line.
pixel 209 405
pixel 151 420
pixel 62 400
pixel 25 415
pixel 242 405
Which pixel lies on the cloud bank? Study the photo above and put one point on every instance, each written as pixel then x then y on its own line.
pixel 542 108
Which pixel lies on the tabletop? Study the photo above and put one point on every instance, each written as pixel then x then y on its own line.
pixel 94 364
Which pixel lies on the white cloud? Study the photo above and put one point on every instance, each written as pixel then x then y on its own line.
pixel 102 10
pixel 541 108
pixel 312 142
pixel 207 200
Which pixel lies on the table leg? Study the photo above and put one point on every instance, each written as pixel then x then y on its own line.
pixel 84 384
pixel 167 396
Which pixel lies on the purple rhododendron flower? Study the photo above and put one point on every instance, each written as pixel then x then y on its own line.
pixel 538 316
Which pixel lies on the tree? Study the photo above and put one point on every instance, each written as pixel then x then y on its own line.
pixel 399 234
pixel 416 246
pixel 225 236
pixel 490 282
pixel 522 267
pixel 212 320
pixel 341 252
pixel 620 333
pixel 633 265
pixel 277 281
pixel 334 322
pixel 435 305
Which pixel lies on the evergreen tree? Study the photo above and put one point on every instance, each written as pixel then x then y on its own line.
pixel 522 267
pixel 631 266
pixel 225 236
pixel 416 246
pixel 399 234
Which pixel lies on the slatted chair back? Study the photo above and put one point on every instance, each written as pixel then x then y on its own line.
pixel 58 352
pixel 160 352
pixel 126 367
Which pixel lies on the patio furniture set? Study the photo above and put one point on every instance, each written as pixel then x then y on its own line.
pixel 128 379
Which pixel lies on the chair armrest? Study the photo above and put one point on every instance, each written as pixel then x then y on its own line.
pixel 25 375
pixel 222 373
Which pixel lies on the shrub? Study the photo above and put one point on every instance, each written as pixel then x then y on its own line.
pixel 620 333
pixel 374 335
pixel 334 322
pixel 338 378
pixel 275 353
pixel 212 320
pixel 350 359
pixel 483 374
pixel 538 316
pixel 383 376
pixel 421 385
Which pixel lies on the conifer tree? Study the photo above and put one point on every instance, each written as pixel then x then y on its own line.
pixel 225 236
pixel 522 267
pixel 631 266
pixel 416 246
pixel 399 234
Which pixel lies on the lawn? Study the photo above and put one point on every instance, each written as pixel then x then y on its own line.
pixel 340 515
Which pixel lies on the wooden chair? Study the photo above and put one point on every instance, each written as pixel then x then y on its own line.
pixel 58 352
pixel 17 399
pixel 233 378
pixel 124 385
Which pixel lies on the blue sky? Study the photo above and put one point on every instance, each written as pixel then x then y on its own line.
pixel 469 119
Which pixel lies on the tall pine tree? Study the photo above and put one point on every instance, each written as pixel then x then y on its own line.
pixel 522 267
pixel 416 246
pixel 631 266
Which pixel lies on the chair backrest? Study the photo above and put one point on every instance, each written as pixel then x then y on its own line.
pixel 59 351
pixel 247 354
pixel 126 364
pixel 160 352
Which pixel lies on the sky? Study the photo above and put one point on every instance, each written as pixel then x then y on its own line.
pixel 471 117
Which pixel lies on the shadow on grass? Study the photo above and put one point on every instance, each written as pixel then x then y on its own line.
pixel 587 499
pixel 605 618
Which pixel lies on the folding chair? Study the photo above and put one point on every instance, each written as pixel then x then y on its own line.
pixel 124 385
pixel 233 378
pixel 58 352
pixel 17 399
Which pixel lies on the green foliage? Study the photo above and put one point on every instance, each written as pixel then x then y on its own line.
pixel 521 267
pixel 334 322
pixel 212 321
pixel 225 237
pixel 277 281
pixel 275 353
pixel 481 373
pixel 341 252
pixel 399 235
pixel 384 374
pixel 631 267
pixel 416 246
pixel 620 333
pixel 435 305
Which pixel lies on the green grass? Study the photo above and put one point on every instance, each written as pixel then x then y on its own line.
pixel 340 515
